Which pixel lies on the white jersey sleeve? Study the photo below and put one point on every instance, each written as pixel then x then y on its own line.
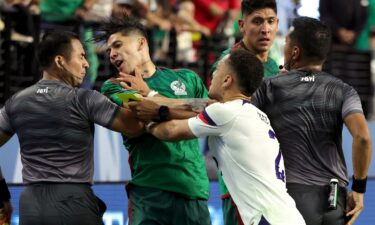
pixel 212 121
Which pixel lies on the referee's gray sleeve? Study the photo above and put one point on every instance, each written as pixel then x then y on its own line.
pixel 352 102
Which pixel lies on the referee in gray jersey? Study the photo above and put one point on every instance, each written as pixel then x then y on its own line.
pixel 54 121
pixel 307 109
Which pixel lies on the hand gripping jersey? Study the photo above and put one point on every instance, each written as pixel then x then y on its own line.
pixel 247 152
pixel 169 166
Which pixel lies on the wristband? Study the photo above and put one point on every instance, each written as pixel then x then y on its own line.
pixel 359 185
pixel 152 93
pixel 4 191
pixel 163 113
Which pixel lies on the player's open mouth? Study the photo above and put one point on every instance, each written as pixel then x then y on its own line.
pixel 118 63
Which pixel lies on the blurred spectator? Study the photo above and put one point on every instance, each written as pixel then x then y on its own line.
pixel 363 40
pixel 185 14
pixel 129 7
pixel 346 19
pixel 188 27
pixel 212 13
pixel 100 10
pixel 2 25
pixel 287 11
pixel 22 23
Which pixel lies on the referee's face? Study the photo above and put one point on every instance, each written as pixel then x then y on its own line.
pixel 75 68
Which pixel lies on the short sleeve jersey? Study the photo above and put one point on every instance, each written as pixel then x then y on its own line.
pixel 307 111
pixel 169 166
pixel 270 68
pixel 54 123
pixel 248 155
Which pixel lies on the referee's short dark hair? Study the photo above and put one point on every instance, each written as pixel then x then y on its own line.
pixel 249 6
pixel 53 43
pixel 312 36
pixel 248 69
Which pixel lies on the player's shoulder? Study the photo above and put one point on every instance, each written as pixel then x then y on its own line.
pixel 180 72
pixel 84 94
pixel 109 82
pixel 110 87
pixel 222 113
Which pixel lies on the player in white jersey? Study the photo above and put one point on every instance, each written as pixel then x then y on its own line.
pixel 245 145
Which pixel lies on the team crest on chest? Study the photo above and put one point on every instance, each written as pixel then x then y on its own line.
pixel 178 87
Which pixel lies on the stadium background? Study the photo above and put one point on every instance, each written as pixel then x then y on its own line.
pixel 112 170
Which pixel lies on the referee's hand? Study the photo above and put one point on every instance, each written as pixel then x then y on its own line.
pixel 354 206
pixel 6 212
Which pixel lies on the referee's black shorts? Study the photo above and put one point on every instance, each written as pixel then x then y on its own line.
pixel 312 202
pixel 60 204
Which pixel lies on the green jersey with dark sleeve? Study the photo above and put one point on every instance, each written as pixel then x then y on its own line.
pixel 170 166
pixel 270 69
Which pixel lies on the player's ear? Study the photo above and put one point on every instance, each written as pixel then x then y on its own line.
pixel 241 23
pixel 142 42
pixel 59 61
pixel 228 80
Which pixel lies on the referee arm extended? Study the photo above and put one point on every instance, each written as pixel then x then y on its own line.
pixel 361 157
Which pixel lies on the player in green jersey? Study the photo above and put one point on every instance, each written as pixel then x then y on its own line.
pixel 169 182
pixel 259 25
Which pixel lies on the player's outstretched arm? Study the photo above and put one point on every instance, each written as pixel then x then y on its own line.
pixel 147 110
pixel 127 123
pixel 361 156
pixel 174 130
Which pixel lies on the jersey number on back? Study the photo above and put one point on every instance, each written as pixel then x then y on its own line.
pixel 280 173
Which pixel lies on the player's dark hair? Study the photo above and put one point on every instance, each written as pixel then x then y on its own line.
pixel 249 6
pixel 53 43
pixel 313 37
pixel 248 69
pixel 126 25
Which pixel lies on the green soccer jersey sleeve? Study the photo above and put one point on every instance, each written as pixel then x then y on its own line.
pixel 110 89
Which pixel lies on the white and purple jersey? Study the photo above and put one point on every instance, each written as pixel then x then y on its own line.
pixel 248 154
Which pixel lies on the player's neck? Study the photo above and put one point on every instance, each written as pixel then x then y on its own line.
pixel 308 67
pixel 52 75
pixel 235 96
pixel 262 56
pixel 311 68
pixel 148 68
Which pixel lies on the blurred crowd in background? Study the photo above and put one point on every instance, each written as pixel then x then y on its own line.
pixel 182 33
